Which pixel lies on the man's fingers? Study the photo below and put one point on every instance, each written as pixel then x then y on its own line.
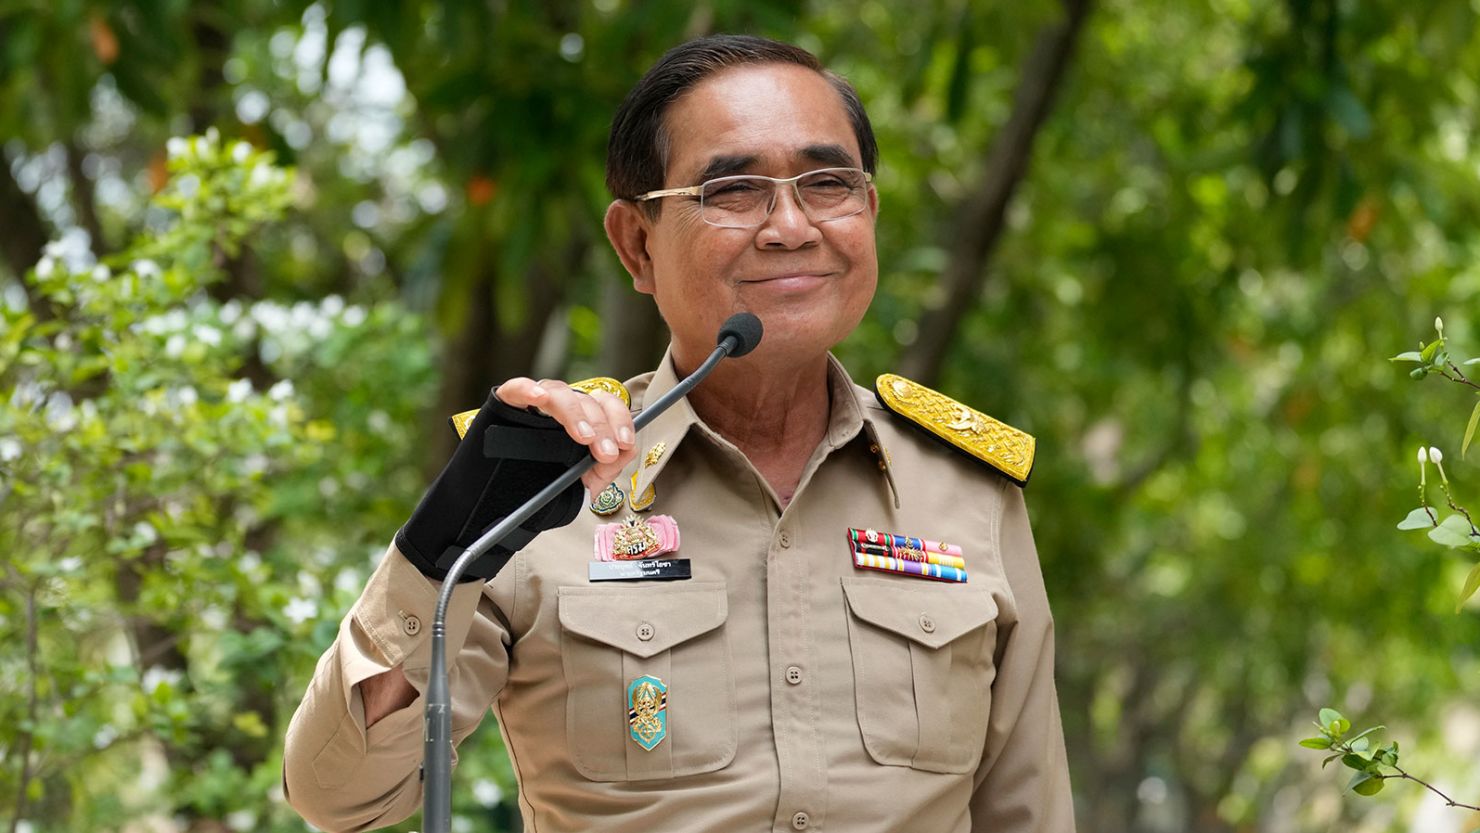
pixel 618 417
pixel 522 392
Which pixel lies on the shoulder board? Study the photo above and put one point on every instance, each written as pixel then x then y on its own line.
pixel 460 422
pixel 995 443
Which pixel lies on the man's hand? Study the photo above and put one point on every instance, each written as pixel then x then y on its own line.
pixel 597 420
pixel 525 436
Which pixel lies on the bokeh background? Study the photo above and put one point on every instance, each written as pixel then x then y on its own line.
pixel 1177 241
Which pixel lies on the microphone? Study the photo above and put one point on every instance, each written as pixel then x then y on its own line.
pixel 739 335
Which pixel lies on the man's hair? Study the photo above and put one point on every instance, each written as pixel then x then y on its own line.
pixel 637 150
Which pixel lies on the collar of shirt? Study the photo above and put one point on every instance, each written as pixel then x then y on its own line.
pixel 848 416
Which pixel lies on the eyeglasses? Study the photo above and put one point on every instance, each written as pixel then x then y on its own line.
pixel 746 201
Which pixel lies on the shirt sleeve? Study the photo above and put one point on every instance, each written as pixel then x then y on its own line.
pixel 1022 784
pixel 338 775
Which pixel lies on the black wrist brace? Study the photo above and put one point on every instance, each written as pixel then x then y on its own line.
pixel 507 456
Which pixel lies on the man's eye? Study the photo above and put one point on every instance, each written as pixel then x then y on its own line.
pixel 733 188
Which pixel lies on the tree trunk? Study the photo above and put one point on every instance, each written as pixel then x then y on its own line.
pixel 23 237
pixel 982 217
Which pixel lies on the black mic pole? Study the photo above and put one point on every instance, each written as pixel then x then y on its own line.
pixel 739 335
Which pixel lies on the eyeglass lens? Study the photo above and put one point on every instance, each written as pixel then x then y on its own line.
pixel 744 201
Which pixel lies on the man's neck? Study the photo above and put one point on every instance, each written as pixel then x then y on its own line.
pixel 775 415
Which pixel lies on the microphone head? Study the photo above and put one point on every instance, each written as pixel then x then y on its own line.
pixel 745 329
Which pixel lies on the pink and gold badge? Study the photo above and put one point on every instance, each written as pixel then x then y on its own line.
pixel 636 538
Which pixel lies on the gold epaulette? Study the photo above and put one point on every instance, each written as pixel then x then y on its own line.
pixel 995 443
pixel 460 422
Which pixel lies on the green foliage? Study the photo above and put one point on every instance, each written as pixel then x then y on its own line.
pixel 174 508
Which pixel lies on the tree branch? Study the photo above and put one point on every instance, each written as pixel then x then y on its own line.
pixel 982 217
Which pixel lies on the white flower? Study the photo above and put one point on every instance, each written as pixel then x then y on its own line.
pixel 146 268
pixel 239 390
pixel 280 391
pixel 1436 455
pixel 1439 324
pixel 176 147
pixel 1423 455
pixel 175 346
pixel 240 151
pixel 230 311
pixel 186 396
pixel 104 736
pixel 145 532
pixel 354 316
pixel 59 412
pixel 156 677
pixel 206 334
pixel 332 305
pixel 487 792
pixel 241 820
pixel 10 448
pixel 300 610
pixel 101 273
pixel 70 564
pixel 45 267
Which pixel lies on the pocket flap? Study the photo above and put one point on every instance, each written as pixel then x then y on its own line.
pixel 930 615
pixel 644 620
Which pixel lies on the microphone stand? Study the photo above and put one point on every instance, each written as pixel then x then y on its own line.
pixel 436 814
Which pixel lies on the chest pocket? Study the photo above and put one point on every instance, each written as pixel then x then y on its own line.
pixel 612 636
pixel 923 671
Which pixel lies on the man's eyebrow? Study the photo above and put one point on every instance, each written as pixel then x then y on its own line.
pixel 725 166
pixel 833 155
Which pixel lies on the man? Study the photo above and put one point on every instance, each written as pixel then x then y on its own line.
pixel 806 675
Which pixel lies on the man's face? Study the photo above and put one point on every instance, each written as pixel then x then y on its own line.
pixel 810 283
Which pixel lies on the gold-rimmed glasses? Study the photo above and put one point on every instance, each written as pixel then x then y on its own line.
pixel 746 201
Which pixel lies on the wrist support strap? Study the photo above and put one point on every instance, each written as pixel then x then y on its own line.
pixel 507 455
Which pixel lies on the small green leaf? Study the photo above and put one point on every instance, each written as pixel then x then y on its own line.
pixel 1329 759
pixel 1453 532
pixel 1468 362
pixel 1371 786
pixel 1419 372
pixel 1316 743
pixel 1358 779
pixel 1472 583
pixel 1360 744
pixel 1470 430
pixel 1354 761
pixel 1411 356
pixel 1417 519
pixel 1426 355
pixel 1328 717
pixel 1363 734
pixel 1342 726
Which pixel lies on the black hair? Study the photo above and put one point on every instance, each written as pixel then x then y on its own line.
pixel 637 150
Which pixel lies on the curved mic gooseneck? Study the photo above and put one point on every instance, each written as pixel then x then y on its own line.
pixel 739 335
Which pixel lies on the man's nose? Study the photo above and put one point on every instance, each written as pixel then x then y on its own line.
pixel 788 226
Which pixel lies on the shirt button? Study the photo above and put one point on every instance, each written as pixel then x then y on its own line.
pixel 794 675
pixel 645 631
pixel 926 623
pixel 800 821
pixel 785 539
pixel 409 623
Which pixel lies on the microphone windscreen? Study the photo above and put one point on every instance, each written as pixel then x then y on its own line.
pixel 745 329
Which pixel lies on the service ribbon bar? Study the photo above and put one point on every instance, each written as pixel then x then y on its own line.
pixel 906 548
pixel 902 554
pixel 922 569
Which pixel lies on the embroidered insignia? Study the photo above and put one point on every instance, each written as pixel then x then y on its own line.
pixel 902 554
pixel 461 421
pixel 998 444
pixel 608 500
pixel 654 454
pixel 647 711
pixel 645 501
pixel 634 538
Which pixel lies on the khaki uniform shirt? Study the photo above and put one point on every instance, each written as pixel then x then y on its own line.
pixel 802 693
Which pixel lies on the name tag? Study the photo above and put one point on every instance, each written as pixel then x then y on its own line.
pixel 653 569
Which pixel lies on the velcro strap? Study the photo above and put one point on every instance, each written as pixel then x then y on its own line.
pixel 541 445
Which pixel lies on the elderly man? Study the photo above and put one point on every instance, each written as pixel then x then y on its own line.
pixel 833 616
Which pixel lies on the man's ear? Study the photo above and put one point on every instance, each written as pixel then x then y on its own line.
pixel 627 228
